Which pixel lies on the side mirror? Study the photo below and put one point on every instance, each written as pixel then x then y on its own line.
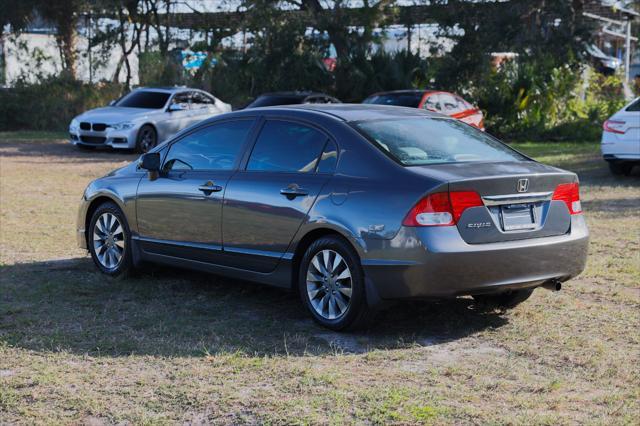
pixel 150 161
pixel 112 103
pixel 174 107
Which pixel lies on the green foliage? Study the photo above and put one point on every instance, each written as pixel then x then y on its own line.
pixel 363 74
pixel 534 99
pixel 51 103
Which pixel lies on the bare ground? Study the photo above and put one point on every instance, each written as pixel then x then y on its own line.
pixel 178 347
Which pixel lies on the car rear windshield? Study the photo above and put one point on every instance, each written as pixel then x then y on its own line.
pixel 264 101
pixel 634 106
pixel 144 99
pixel 397 99
pixel 422 141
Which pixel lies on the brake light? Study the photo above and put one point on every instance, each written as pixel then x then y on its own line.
pixel 614 126
pixel 570 194
pixel 441 208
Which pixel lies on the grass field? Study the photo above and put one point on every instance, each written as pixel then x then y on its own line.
pixel 179 347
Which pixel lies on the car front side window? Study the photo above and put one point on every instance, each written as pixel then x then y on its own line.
pixel 216 147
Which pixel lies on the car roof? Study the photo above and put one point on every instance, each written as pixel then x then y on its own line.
pixel 405 92
pixel 166 89
pixel 347 112
pixel 297 94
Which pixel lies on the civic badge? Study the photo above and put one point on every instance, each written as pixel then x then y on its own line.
pixel 523 185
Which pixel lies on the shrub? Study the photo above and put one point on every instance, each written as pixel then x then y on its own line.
pixel 52 103
pixel 533 100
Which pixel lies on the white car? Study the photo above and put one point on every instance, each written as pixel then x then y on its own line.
pixel 621 139
pixel 144 117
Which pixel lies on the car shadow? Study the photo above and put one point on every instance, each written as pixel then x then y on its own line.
pixel 66 305
pixel 63 151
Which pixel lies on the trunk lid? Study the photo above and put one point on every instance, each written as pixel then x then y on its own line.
pixel 517 199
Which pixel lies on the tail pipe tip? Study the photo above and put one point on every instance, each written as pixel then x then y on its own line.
pixel 553 285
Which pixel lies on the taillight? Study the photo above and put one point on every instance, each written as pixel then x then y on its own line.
pixel 614 126
pixel 441 208
pixel 570 194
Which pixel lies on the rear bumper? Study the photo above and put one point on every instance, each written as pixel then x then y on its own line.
pixel 438 263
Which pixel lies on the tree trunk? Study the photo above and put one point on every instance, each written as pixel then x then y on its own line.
pixel 66 40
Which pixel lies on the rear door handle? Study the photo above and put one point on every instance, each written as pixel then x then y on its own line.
pixel 209 187
pixel 293 191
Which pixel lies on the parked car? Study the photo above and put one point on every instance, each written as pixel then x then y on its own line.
pixel 350 204
pixel 621 139
pixel 602 62
pixel 144 117
pixel 292 98
pixel 431 100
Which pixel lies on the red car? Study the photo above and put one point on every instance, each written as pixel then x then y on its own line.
pixel 432 100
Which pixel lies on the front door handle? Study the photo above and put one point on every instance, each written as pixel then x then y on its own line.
pixel 292 191
pixel 209 188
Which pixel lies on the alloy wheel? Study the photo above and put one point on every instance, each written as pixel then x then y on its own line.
pixel 109 240
pixel 147 139
pixel 329 284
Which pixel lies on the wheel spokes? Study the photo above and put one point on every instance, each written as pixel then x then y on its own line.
pixel 109 240
pixel 329 286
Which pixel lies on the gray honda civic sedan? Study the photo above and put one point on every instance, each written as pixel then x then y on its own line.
pixel 353 206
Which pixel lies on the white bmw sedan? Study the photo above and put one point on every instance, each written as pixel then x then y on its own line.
pixel 621 139
pixel 143 118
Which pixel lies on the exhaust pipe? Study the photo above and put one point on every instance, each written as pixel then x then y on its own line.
pixel 553 285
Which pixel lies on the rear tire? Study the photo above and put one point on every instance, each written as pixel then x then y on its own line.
pixel 507 300
pixel 619 168
pixel 109 241
pixel 147 139
pixel 331 285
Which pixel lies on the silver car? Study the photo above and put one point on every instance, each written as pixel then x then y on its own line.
pixel 144 117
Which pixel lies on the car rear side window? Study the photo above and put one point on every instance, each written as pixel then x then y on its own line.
pixel 216 147
pixel 423 141
pixel 286 147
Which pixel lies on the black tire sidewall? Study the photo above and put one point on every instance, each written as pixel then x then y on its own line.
pixel 139 136
pixel 126 265
pixel 358 301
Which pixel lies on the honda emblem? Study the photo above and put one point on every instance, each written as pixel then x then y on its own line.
pixel 523 185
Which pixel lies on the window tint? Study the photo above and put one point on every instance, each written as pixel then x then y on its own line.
pixel 286 147
pixel 634 106
pixel 144 99
pixel 271 100
pixel 398 99
pixel 422 141
pixel 213 148
pixel 329 158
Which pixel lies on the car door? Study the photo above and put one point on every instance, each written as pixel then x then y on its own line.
pixel 179 212
pixel 266 203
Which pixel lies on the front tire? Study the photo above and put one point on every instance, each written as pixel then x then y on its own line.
pixel 331 285
pixel 147 139
pixel 507 300
pixel 109 240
